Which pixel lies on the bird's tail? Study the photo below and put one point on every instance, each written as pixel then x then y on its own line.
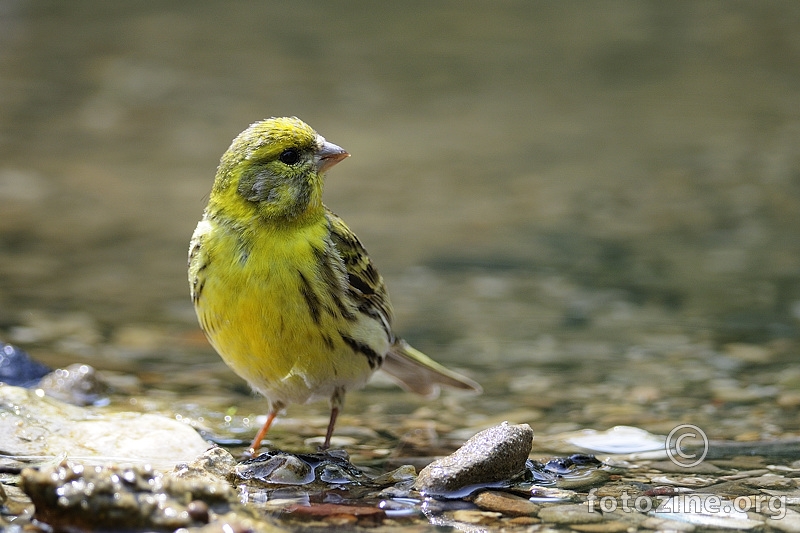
pixel 418 373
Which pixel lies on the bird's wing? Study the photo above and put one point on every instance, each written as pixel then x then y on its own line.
pixel 365 284
pixel 414 370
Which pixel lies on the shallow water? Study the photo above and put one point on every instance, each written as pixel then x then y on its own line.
pixel 589 208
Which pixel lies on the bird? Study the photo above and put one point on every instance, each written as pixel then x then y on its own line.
pixel 283 289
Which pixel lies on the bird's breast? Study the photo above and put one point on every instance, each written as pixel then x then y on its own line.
pixel 273 304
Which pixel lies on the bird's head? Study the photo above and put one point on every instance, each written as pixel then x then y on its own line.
pixel 275 167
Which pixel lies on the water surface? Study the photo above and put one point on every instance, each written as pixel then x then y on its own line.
pixel 590 208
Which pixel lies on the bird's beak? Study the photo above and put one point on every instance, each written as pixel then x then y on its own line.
pixel 328 154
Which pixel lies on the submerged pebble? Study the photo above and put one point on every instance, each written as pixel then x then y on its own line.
pixel 283 468
pixel 213 466
pixel 711 511
pixel 17 368
pixel 507 504
pixel 570 513
pixel 77 384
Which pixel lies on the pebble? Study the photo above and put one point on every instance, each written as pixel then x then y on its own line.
pixel 671 468
pixel 748 353
pixel 729 390
pixel 789 400
pixel 740 463
pixel 664 524
pixel 494 455
pixel 520 521
pixel 17 368
pixel 77 384
pixel 578 513
pixel 789 523
pixel 709 510
pixel 617 490
pixel 284 468
pixel 505 503
pixel 771 481
pixel 338 515
pixel 684 481
pixel 216 464
pixel 469 516
pixel 612 526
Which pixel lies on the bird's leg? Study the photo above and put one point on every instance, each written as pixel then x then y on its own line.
pixel 256 444
pixel 337 400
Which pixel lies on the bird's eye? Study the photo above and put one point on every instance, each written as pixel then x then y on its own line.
pixel 290 156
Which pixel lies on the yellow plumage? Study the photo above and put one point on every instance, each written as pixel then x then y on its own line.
pixel 283 289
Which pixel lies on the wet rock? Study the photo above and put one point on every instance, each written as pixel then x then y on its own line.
pixel 791 497
pixel 733 489
pixel 237 523
pixel 611 526
pixel 469 516
pixel 492 456
pixel 748 353
pixel 663 524
pixel 76 332
pixel 549 494
pixel 573 472
pixel 17 368
pixel 583 482
pixel 617 490
pixel 790 523
pixel 630 516
pixel 742 463
pixel 77 384
pixel 285 478
pixel 707 510
pixel 771 481
pixel 789 400
pixel 570 514
pixel 522 522
pixel 14 502
pixel 339 515
pixel 73 496
pixel 212 466
pixel 730 390
pixel 505 503
pixel 34 425
pixel 684 481
pixel 283 468
pixel 673 468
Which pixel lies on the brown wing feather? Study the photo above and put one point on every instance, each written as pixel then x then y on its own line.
pixel 414 370
pixel 365 284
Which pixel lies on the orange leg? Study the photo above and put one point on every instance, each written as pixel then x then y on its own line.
pixel 256 444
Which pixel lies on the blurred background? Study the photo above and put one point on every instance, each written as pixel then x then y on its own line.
pixel 554 191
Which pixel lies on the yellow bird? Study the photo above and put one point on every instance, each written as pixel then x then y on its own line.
pixel 284 291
